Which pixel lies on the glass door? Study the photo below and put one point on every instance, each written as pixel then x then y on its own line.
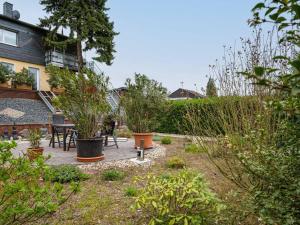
pixel 35 73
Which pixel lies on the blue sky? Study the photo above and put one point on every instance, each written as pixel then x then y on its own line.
pixel 171 41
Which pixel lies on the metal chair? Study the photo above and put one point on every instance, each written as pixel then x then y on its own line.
pixel 57 119
pixel 72 138
pixel 109 130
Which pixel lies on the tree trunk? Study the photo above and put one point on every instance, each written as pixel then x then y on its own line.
pixel 79 55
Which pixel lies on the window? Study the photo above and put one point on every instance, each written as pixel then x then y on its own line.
pixel 9 66
pixel 8 37
pixel 35 73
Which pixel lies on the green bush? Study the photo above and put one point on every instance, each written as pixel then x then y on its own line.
pixel 175 163
pixel 131 192
pixel 181 199
pixel 25 198
pixel 166 141
pixel 5 74
pixel 193 148
pixel 173 119
pixel 125 133
pixel 65 174
pixel 156 138
pixel 113 175
pixel 23 77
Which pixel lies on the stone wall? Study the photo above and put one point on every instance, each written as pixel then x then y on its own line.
pixel 23 111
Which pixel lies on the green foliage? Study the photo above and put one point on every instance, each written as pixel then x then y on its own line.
pixel 156 138
pixel 175 163
pixel 113 175
pixel 131 192
pixel 143 102
pixel 65 174
pixel 166 140
pixel 193 148
pixel 84 98
pixel 34 138
pixel 126 133
pixel 26 198
pixel 54 80
pixel 180 199
pixel 23 77
pixel 5 74
pixel 211 89
pixel 87 22
pixel 173 120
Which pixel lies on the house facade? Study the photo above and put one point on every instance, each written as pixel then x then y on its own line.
pixel 22 46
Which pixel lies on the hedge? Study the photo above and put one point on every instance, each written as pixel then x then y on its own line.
pixel 173 120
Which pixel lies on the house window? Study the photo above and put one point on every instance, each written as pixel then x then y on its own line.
pixel 9 66
pixel 35 73
pixel 8 37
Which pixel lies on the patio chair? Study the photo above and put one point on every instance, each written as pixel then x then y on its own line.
pixel 57 119
pixel 72 138
pixel 109 130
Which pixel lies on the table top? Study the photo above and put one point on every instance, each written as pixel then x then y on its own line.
pixel 64 125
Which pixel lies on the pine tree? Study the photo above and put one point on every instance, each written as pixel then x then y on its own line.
pixel 87 23
pixel 211 89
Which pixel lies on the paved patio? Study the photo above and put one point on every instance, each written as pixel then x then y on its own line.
pixel 59 157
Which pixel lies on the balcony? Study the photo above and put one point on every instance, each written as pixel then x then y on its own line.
pixel 61 60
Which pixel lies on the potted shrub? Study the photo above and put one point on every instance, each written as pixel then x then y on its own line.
pixel 54 81
pixel 84 108
pixel 23 80
pixel 5 75
pixel 35 149
pixel 143 102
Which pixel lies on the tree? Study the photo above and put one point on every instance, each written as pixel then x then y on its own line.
pixel 86 21
pixel 211 89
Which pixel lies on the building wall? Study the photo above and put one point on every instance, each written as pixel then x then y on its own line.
pixel 30 43
pixel 19 65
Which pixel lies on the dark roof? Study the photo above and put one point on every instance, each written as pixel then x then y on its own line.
pixel 185 93
pixel 23 23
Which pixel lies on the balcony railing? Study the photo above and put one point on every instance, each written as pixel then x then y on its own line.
pixel 61 60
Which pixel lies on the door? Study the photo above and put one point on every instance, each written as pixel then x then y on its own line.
pixel 35 73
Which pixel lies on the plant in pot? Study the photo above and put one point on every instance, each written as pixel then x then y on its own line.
pixel 5 75
pixel 53 80
pixel 143 102
pixel 23 80
pixel 35 149
pixel 84 108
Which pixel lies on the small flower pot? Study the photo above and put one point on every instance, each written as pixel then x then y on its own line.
pixel 4 85
pixel 23 87
pixel 147 137
pixel 34 153
pixel 89 150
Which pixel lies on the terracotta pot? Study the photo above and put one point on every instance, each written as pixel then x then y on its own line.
pixel 147 137
pixel 4 85
pixel 57 90
pixel 23 87
pixel 34 153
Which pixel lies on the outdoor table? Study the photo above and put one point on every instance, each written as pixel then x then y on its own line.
pixel 64 127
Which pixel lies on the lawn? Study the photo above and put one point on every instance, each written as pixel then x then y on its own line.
pixel 105 202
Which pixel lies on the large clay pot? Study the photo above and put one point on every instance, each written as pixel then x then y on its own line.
pixel 89 150
pixel 147 137
pixel 23 87
pixel 34 153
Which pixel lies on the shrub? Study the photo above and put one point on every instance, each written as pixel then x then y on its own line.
pixel 166 140
pixel 125 133
pixel 175 163
pixel 143 102
pixel 173 120
pixel 156 138
pixel 131 192
pixel 26 198
pixel 193 148
pixel 113 175
pixel 34 138
pixel 5 74
pixel 23 77
pixel 181 199
pixel 65 174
